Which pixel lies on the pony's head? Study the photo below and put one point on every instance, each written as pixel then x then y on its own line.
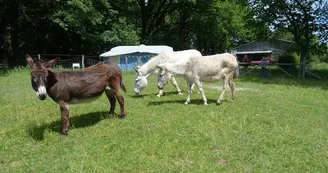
pixel 39 75
pixel 140 81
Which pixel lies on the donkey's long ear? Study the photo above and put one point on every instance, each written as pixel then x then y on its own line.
pixel 29 61
pixel 161 69
pixel 136 68
pixel 52 62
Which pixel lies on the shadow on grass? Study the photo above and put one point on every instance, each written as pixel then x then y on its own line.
pixel 146 95
pixel 280 78
pixel 84 120
pixel 192 102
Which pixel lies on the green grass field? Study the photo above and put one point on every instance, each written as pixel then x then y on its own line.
pixel 276 124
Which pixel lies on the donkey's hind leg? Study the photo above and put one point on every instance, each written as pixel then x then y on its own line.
pixel 233 90
pixel 112 101
pixel 116 91
pixel 225 78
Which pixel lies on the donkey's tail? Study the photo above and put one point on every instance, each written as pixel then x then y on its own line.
pixel 122 86
pixel 236 73
pixel 236 70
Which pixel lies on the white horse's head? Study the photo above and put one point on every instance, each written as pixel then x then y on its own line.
pixel 140 81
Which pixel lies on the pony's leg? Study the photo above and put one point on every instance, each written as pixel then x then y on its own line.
pixel 225 83
pixel 233 91
pixel 175 84
pixel 112 101
pixel 201 91
pixel 64 110
pixel 189 92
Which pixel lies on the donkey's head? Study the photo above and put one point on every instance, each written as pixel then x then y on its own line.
pixel 140 81
pixel 39 75
pixel 163 76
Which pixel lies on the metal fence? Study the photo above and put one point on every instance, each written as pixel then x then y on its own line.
pixel 70 61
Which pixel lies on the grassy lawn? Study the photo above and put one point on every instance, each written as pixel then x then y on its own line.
pixel 277 124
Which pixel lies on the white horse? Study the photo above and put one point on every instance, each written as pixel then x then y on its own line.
pixel 206 69
pixel 149 68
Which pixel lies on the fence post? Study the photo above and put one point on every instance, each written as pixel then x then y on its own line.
pixel 39 56
pixel 82 61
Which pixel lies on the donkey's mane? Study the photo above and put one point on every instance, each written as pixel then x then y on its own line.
pixel 150 66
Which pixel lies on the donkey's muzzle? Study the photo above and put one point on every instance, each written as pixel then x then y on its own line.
pixel 41 93
pixel 42 96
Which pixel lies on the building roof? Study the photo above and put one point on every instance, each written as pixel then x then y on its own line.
pixel 277 41
pixel 253 52
pixel 122 50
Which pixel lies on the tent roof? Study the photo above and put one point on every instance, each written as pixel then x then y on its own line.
pixel 122 50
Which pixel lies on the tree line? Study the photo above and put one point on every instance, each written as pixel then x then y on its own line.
pixel 211 26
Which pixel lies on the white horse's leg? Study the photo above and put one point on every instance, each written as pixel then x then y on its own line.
pixel 175 84
pixel 225 85
pixel 201 91
pixel 189 93
pixel 233 91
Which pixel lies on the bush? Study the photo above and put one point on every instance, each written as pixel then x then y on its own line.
pixel 289 58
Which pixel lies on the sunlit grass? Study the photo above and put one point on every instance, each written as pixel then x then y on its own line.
pixel 275 125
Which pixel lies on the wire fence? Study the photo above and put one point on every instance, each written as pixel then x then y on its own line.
pixel 70 61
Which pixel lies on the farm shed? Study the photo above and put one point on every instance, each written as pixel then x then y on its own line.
pixel 255 50
pixel 129 56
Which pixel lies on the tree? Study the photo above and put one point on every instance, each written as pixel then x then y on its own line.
pixel 221 25
pixel 299 17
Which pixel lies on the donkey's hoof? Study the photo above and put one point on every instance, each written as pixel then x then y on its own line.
pixel 121 117
pixel 62 136
pixel 110 116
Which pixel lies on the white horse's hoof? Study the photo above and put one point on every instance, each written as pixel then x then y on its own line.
pixel 180 94
pixel 158 95
pixel 205 104
pixel 218 102
pixel 186 103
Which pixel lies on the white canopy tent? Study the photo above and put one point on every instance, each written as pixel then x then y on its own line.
pixel 123 50
pixel 128 56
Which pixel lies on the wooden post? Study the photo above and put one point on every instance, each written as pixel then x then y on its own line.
pixel 126 63
pixel 39 56
pixel 82 61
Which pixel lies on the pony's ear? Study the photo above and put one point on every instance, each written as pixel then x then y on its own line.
pixel 52 62
pixel 29 61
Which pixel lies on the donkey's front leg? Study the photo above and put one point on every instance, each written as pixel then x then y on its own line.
pixel 64 109
pixel 161 91
pixel 189 93
pixel 201 91
pixel 175 84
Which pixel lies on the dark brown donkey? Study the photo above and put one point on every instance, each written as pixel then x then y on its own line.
pixel 71 87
